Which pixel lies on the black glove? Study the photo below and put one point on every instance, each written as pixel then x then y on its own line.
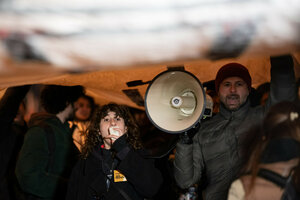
pixel 120 147
pixel 187 137
pixel 119 144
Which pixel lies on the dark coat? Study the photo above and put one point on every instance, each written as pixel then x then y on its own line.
pixel 10 135
pixel 89 177
pixel 34 172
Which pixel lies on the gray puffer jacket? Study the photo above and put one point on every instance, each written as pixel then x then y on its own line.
pixel 214 159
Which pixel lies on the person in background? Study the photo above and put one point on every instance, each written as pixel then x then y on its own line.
pixel 272 149
pixel 114 164
pixel 211 158
pixel 261 94
pixel 215 100
pixel 12 130
pixel 84 109
pixel 48 153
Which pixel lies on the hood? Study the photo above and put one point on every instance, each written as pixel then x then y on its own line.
pixel 37 118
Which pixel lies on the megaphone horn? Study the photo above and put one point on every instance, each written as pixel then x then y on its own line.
pixel 175 101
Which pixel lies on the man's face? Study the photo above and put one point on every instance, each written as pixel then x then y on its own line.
pixel 233 92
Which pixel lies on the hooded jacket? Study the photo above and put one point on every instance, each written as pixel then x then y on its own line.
pixel 32 170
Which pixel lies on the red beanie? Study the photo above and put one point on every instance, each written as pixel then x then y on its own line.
pixel 231 70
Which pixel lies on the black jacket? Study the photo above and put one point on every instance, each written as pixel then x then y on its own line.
pixel 47 157
pixel 89 176
pixel 11 135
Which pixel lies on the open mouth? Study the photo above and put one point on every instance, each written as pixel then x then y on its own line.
pixel 233 99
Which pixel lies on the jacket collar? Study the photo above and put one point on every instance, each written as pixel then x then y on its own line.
pixel 38 118
pixel 228 114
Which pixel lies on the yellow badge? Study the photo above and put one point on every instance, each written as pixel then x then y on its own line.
pixel 119 177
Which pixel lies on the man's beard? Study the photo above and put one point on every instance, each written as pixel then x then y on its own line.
pixel 241 104
pixel 234 97
pixel 71 116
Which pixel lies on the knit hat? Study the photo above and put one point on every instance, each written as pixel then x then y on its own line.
pixel 231 70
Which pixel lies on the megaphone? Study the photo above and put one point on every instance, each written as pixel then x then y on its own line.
pixel 175 101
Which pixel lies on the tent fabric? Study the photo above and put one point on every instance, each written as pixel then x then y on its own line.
pixel 108 85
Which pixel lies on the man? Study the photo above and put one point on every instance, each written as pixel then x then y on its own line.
pixel 48 153
pixel 212 159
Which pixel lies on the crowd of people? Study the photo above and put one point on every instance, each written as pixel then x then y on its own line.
pixel 74 148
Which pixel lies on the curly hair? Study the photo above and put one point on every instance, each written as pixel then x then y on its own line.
pixel 93 137
pixel 55 98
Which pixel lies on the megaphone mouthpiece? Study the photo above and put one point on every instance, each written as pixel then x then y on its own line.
pixel 176 102
pixel 183 102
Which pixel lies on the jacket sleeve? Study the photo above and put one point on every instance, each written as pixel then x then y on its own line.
pixel 139 171
pixel 188 164
pixel 31 166
pixel 283 82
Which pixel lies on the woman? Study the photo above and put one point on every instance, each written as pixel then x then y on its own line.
pixel 84 106
pixel 113 166
pixel 272 153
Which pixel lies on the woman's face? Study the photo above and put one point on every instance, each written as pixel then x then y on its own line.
pixel 111 120
pixel 83 109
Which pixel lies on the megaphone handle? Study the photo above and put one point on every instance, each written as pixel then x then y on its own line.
pixel 185 138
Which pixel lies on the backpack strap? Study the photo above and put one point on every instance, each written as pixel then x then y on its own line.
pixel 106 170
pixel 51 144
pixel 121 191
pixel 273 177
